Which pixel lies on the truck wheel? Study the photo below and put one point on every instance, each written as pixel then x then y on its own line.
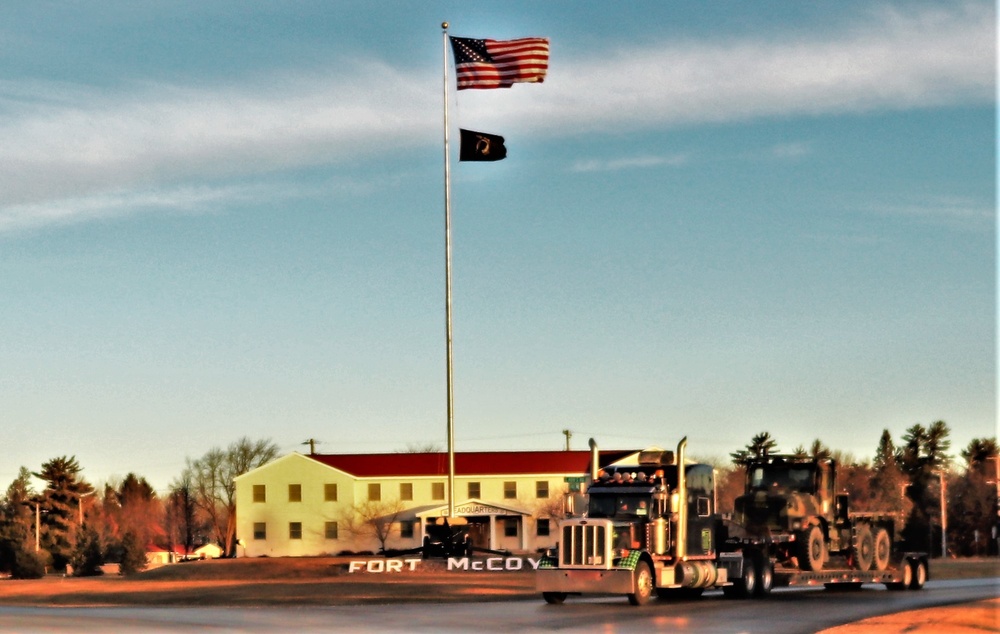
pixel 554 598
pixel 764 579
pixel 883 548
pixel 643 585
pixel 812 549
pixel 907 579
pixel 864 547
pixel 919 574
pixel 746 585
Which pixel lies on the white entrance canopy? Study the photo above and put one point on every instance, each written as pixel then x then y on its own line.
pixel 477 508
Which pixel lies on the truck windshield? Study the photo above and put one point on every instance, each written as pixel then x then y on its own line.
pixel 619 505
pixel 790 477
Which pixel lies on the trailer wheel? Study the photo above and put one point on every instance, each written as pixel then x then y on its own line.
pixel 812 549
pixel 554 598
pixel 764 579
pixel 864 547
pixel 883 549
pixel 643 585
pixel 906 581
pixel 919 577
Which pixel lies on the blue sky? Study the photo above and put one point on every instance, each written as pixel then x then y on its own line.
pixel 715 219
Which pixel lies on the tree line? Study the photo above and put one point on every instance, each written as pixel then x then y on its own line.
pixel 907 479
pixel 70 523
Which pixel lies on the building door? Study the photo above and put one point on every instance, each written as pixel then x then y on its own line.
pixel 479 531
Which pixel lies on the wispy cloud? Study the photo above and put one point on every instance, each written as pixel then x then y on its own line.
pixel 790 150
pixel 602 165
pixel 75 152
pixel 954 212
pixel 888 61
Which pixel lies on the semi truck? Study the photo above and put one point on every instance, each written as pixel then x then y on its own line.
pixel 653 529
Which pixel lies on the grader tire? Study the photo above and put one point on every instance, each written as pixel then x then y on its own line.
pixel 812 549
pixel 883 548
pixel 864 547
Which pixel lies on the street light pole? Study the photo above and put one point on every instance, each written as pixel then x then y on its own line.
pixel 944 518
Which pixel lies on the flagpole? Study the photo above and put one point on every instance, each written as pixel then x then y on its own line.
pixel 447 283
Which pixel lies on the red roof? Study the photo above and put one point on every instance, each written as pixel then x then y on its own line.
pixel 484 463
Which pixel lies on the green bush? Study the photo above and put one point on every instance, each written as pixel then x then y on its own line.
pixel 28 564
pixel 133 554
pixel 87 557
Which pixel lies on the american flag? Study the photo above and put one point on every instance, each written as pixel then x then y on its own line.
pixel 499 63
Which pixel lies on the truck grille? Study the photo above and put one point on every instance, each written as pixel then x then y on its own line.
pixel 585 544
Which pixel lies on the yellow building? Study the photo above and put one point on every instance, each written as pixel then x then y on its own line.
pixel 327 504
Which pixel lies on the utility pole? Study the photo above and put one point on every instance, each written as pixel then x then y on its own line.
pixel 312 445
pixel 38 527
pixel 568 434
pixel 944 520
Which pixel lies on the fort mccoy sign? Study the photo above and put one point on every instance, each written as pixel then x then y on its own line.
pixel 455 564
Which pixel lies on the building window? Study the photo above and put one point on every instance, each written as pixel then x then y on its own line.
pixel 294 492
pixel 510 528
pixel 542 527
pixel 542 489
pixel 259 493
pixel 330 492
pixel 259 530
pixel 375 492
pixel 295 530
pixel 405 491
pixel 437 490
pixel 510 490
pixel 331 530
pixel 475 491
pixel 406 530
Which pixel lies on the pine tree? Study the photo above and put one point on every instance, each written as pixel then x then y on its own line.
pixel 972 503
pixel 61 507
pixel 925 460
pixel 889 483
pixel 17 549
pixel 760 446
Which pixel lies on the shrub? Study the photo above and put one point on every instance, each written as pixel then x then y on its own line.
pixel 28 564
pixel 133 554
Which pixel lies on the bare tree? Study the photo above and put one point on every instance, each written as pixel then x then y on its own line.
pixel 427 447
pixel 372 519
pixel 213 480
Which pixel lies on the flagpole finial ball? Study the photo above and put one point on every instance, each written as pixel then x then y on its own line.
pixel 444 25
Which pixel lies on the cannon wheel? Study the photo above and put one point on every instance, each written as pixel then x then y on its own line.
pixel 554 598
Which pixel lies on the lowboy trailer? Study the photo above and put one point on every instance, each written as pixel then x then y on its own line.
pixel 653 530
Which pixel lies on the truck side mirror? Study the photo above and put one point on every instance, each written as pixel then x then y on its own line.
pixel 841 508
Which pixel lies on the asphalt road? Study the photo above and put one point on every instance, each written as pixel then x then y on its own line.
pixel 786 611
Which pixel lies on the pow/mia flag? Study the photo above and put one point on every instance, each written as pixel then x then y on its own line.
pixel 479 146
